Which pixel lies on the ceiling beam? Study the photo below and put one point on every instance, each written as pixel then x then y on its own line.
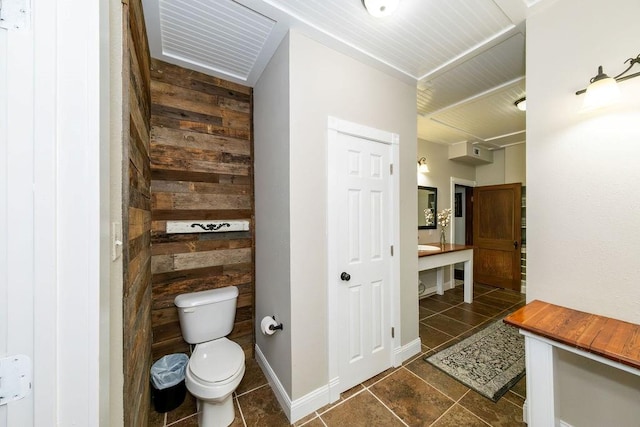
pixel 516 11
pixel 475 97
pixel 469 54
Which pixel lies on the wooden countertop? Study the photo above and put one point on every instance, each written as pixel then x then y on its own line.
pixel 610 338
pixel 448 247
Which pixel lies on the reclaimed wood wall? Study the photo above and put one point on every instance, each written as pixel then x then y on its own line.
pixel 201 169
pixel 136 217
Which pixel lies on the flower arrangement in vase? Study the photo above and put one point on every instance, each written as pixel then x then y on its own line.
pixel 444 218
pixel 428 216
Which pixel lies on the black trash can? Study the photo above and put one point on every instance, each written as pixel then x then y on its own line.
pixel 167 382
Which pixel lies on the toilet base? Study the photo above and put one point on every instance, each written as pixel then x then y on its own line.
pixel 216 414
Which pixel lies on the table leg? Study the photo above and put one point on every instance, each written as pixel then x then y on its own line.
pixel 468 281
pixel 540 387
pixel 440 280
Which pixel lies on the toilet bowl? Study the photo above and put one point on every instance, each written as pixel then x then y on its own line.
pixel 214 371
pixel 216 365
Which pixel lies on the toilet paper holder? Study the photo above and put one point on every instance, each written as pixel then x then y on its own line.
pixel 269 325
pixel 275 327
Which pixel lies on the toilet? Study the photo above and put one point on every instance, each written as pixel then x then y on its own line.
pixel 216 365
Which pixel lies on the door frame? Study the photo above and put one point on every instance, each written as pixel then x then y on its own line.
pixel 453 181
pixel 334 128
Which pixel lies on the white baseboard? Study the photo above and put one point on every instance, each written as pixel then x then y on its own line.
pixel 525 416
pixel 432 289
pixel 405 352
pixel 299 408
pixel 427 291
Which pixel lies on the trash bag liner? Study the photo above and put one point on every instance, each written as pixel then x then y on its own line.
pixel 169 370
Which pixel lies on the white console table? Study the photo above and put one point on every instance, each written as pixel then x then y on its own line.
pixel 547 327
pixel 447 255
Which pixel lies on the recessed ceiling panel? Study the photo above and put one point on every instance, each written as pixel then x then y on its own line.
pixel 222 36
pixel 433 131
pixel 489 116
pixel 418 38
pixel 502 63
pixel 502 141
pixel 466 56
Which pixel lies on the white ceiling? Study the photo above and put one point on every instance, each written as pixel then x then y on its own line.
pixel 465 56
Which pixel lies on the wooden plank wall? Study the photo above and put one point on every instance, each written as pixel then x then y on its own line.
pixel 201 169
pixel 136 217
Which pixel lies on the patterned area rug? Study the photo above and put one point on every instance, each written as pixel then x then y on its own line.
pixel 490 361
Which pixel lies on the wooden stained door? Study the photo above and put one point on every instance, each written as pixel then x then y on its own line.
pixel 497 235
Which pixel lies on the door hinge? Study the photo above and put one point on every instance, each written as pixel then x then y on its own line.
pixel 393 332
pixel 390 168
pixel 15 14
pixel 391 250
pixel 16 374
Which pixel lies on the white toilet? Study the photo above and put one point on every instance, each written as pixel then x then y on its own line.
pixel 216 365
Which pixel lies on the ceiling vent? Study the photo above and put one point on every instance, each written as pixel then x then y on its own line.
pixel 466 152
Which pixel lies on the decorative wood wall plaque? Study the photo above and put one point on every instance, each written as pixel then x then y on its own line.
pixel 206 226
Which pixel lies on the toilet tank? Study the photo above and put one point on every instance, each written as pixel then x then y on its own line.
pixel 207 315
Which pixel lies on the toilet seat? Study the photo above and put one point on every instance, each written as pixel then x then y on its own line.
pixel 216 362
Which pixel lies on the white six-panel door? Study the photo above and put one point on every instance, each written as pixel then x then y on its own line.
pixel 362 269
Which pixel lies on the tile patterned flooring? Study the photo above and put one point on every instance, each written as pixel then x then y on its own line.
pixel 415 394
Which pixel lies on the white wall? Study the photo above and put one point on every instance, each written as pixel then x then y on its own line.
pixel 304 83
pixel 112 368
pixel 515 164
pixel 492 173
pixel 327 83
pixel 509 166
pixel 593 394
pixel 272 160
pixel 441 169
pixel 583 238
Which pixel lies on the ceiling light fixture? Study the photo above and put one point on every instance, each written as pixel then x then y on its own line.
pixel 380 8
pixel 521 104
pixel 422 165
pixel 603 90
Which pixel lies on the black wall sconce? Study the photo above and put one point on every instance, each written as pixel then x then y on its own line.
pixel 521 104
pixel 603 89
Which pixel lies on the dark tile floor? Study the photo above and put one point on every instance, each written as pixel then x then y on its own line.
pixel 415 394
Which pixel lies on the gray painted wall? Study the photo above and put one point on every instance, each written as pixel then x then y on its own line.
pixel 272 154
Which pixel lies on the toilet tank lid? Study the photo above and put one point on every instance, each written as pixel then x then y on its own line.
pixel 195 299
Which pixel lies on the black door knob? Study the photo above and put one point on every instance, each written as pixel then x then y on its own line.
pixel 345 276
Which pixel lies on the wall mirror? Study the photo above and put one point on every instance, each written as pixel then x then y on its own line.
pixel 427 207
